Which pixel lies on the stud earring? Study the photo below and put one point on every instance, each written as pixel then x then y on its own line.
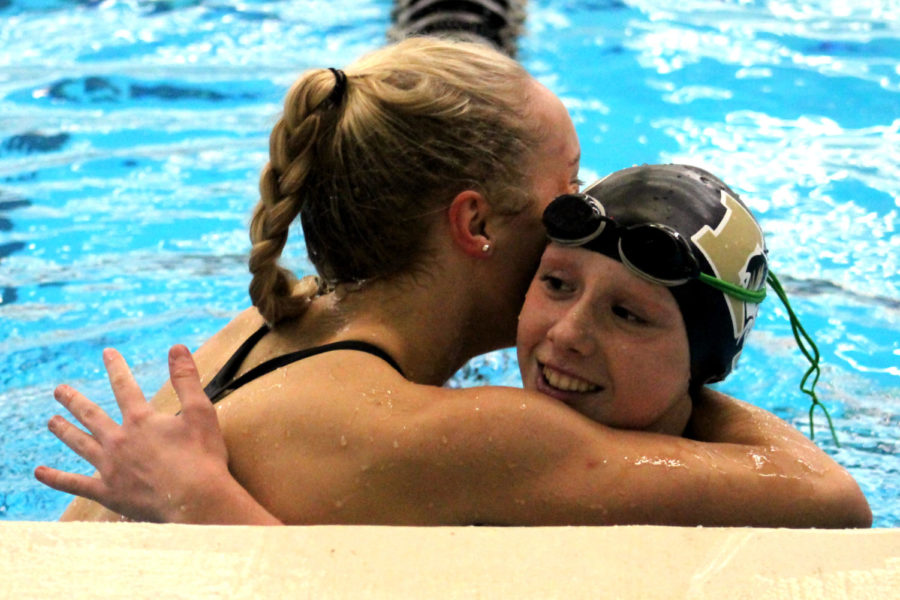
pixel 486 248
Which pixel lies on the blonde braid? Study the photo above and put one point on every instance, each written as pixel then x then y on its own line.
pixel 274 290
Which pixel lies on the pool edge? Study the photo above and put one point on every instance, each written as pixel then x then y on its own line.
pixel 137 560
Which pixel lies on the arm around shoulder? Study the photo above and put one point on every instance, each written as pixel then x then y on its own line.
pixel 517 458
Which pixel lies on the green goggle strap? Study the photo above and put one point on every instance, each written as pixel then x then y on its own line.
pixel 811 377
pixel 735 291
pixel 804 340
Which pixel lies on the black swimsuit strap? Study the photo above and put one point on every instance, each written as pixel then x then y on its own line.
pixel 220 384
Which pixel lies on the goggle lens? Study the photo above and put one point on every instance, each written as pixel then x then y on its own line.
pixel 573 220
pixel 658 253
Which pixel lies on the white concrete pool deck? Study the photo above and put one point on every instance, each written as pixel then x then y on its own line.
pixel 136 560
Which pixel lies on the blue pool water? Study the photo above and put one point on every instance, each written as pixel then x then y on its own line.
pixel 132 133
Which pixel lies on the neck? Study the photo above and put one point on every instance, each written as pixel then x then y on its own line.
pixel 428 323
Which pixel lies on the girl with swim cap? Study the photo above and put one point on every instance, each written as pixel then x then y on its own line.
pixel 647 291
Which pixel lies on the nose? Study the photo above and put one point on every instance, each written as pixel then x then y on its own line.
pixel 575 331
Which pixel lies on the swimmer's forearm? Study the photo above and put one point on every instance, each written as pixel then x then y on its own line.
pixel 838 499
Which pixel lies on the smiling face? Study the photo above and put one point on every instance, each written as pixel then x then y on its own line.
pixel 611 345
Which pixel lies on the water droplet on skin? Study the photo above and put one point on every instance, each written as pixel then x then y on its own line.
pixel 343 441
pixel 523 406
pixel 396 445
pixel 659 462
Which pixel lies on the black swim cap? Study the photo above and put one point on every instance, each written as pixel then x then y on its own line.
pixel 725 238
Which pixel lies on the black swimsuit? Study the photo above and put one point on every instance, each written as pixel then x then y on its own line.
pixel 224 381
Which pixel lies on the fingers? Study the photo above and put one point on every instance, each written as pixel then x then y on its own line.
pixel 88 414
pixel 78 441
pixel 70 483
pixel 186 381
pixel 128 394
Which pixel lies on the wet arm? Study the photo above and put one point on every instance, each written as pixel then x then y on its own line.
pixel 720 419
pixel 559 468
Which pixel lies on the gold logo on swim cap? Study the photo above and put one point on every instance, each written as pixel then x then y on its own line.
pixel 736 251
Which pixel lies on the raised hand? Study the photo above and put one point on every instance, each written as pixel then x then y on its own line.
pixel 152 467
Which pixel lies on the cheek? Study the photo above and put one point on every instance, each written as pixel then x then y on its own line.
pixel 652 379
pixel 680 355
pixel 531 328
pixel 672 360
pixel 674 373
pixel 524 244
pixel 546 188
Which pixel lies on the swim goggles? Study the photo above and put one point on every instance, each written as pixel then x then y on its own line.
pixel 653 251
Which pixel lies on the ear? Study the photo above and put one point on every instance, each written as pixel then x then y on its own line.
pixel 468 216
